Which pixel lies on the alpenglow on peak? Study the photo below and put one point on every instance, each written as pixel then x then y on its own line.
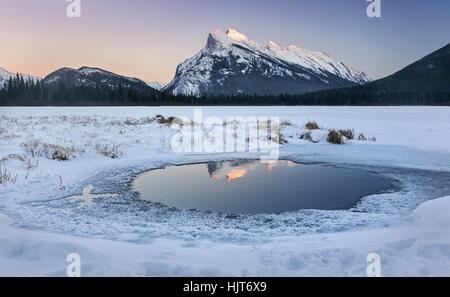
pixel 235 35
pixel 231 64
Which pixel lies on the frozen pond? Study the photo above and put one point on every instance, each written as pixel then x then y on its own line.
pixel 252 187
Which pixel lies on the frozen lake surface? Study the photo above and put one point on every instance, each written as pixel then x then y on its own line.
pixel 87 203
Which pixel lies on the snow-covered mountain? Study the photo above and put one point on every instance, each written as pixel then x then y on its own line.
pixel 96 78
pixel 156 85
pixel 231 63
pixel 5 75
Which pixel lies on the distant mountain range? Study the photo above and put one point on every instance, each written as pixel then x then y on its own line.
pixel 80 87
pixel 232 64
pixel 95 78
pixel 233 70
pixel 426 81
pixel 87 77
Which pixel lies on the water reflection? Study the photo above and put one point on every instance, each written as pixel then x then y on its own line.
pixel 239 169
pixel 253 187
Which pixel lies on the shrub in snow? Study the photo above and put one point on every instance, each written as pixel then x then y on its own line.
pixel 5 175
pixel 361 137
pixel 3 132
pixel 312 126
pixel 167 121
pixel 114 123
pixel 348 133
pixel 18 157
pixel 285 124
pixel 85 121
pixel 135 122
pixel 32 146
pixel 131 122
pixel 37 148
pixel 110 151
pixel 307 136
pixel 279 138
pixel 315 136
pixel 335 137
pixel 273 131
pixel 58 152
pixel 146 121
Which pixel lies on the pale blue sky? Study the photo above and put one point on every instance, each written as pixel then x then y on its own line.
pixel 148 38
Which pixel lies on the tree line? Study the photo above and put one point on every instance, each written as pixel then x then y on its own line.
pixel 26 92
pixel 18 91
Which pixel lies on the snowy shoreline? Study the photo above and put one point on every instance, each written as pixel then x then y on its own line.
pixel 409 139
pixel 421 248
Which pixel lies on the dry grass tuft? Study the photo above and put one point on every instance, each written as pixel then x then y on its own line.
pixel 3 132
pixel 31 146
pixel 5 175
pixel 285 124
pixel 17 157
pixel 58 152
pixel 36 148
pixel 110 151
pixel 168 121
pixel 307 136
pixel 311 125
pixel 362 137
pixel 131 122
pixel 335 137
pixel 348 133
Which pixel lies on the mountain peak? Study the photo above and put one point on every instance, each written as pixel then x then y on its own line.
pixel 273 45
pixel 231 63
pixel 236 35
pixel 92 70
pixel 218 39
pixel 89 68
pixel 95 77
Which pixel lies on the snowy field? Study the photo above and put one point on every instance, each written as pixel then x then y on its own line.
pixel 50 156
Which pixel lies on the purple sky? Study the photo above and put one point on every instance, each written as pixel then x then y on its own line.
pixel 147 39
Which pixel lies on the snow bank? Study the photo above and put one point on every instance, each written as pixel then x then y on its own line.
pixel 434 214
pixel 407 250
pixel 151 240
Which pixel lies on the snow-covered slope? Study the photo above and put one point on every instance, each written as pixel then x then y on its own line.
pixel 231 63
pixel 156 85
pixel 319 62
pixel 95 77
pixel 5 75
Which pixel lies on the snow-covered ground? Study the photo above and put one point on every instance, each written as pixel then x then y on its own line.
pixel 44 218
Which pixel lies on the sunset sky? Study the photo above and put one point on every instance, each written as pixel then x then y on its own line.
pixel 148 38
